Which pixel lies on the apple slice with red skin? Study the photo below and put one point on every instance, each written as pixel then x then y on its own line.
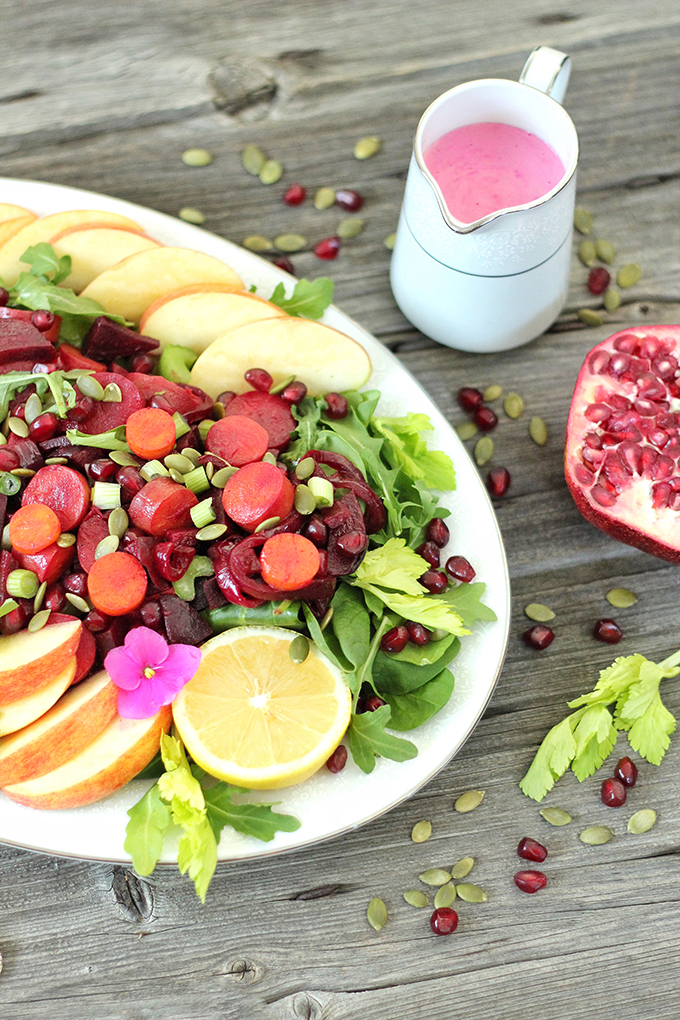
pixel 22 712
pixel 94 247
pixel 30 660
pixel 86 652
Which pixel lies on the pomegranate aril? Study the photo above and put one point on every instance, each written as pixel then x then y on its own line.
pixel 283 262
pixel 498 481
pixel 337 760
pixel 81 409
pixel 661 495
pixel 628 343
pixel 418 634
pixel 485 419
pixel 4 296
pixel 650 347
pixel 317 532
pixel 349 200
pixel 44 427
pixel 259 379
pixel 646 407
pixel 435 581
pixel 613 793
pixel 437 532
pixel 583 475
pixel 352 543
pixel 626 771
pixel 530 881
pixel 143 363
pixel 294 393
pixel 43 320
pixel 531 850
pixel 470 399
pixel 295 195
pixel 598 363
pixel 539 636
pixel 9 459
pixel 76 583
pixel 151 614
pixel 328 248
pixel 130 481
pixel 593 441
pixel 55 598
pixel 225 397
pixel 460 569
pixel 336 406
pixel 395 640
pixel 608 631
pixel 618 364
pixel 601 496
pixel 373 703
pixel 430 553
pixel 96 622
pixel 598 280
pixel 663 468
pixel 665 367
pixel 674 500
pixel 102 470
pixel 444 921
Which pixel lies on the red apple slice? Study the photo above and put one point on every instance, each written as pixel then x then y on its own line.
pixel 110 761
pixel 94 247
pixel 24 711
pixel 30 660
pixel 62 732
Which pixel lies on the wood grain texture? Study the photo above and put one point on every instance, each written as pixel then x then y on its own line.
pixel 107 99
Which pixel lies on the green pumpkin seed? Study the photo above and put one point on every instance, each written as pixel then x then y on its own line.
pixel 642 821
pixel 587 253
pixel 209 471
pixel 621 598
pixel 367 147
pixel 197 157
pixel 66 540
pixel 628 275
pixel 421 831
pixel 112 394
pixel 583 220
pixel 280 387
pixel 118 522
pixel 305 503
pixel 18 426
pixel 305 468
pixel 91 387
pixel 271 522
pixel 435 876
pixel 351 227
pixel 32 408
pixel 589 317
pixel 80 604
pixel 191 215
pixel 538 430
pixel 376 913
pixel 256 242
pixel 221 477
pixel 179 462
pixel 123 458
pixel 271 172
pixel 6 541
pixel 492 393
pixel 466 430
pixel 471 893
pixel 605 251
pixel 269 458
pixel 193 456
pixel 211 532
pixel 416 898
pixel 555 816
pixel 390 241
pixel 38 621
pixel 324 198
pixel 538 612
pixel 298 649
pixel 513 405
pixel 290 242
pixel 253 159
pixel 107 546
pixel 468 801
pixel 596 835
pixel 218 410
pixel 483 450
pixel 462 867
pixel 39 596
pixel 445 895
pixel 178 477
pixel 22 473
pixel 56 460
pixel 326 619
pixel 612 299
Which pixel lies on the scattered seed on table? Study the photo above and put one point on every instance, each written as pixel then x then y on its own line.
pixel 271 172
pixel 583 220
pixel 471 893
pixel 596 835
pixel 513 405
pixel 191 215
pixel 555 816
pixel 445 895
pixel 416 898
pixel 256 242
pixel 642 821
pixel 462 867
pixel 324 198
pixel 367 147
pixel 621 598
pixel 628 275
pixel 589 317
pixel 605 251
pixel 421 831
pixel 538 612
pixel 492 393
pixel 376 913
pixel 468 801
pixel 351 227
pixel 538 430
pixel 466 430
pixel 483 450
pixel 290 242
pixel 612 299
pixel 587 253
pixel 390 241
pixel 197 157
pixel 253 159
pixel 435 876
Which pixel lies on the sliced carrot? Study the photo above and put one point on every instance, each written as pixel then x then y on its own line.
pixel 117 584
pixel 238 440
pixel 289 562
pixel 257 492
pixel 33 528
pixel 150 433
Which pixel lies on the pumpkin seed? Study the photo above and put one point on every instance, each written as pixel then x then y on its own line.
pixel 253 159
pixel 22 473
pixel 555 816
pixel 513 405
pixel 587 253
pixel 269 458
pixel 390 241
pixel 596 835
pixel 178 477
pixel 367 147
pixel 32 408
pixel 466 430
pixel 77 602
pixel 305 468
pixel 298 649
pixel 463 867
pixel 38 621
pixel 118 522
pixel 271 172
pixel 468 801
pixel 197 157
pixel 621 598
pixel 191 215
pixel 56 460
pixel 211 532
pixel 642 821
pixel 192 455
pixel 445 895
pixel 538 612
pixel 416 898
pixel 6 541
pixel 66 540
pixel 221 477
pixel 112 394
pixel 376 913
pixel 256 242
pixel 209 471
pixel 179 462
pixel 123 458
pixel 280 387
pixel 91 387
pixel 305 502
pixel 538 430
pixel 351 227
pixel 612 299
pixel 326 619
pixel 271 522
pixel 324 198
pixel 492 393
pixel 605 250
pixel 435 876
pixel 39 596
pixel 483 450
pixel 421 831
pixel 218 410
pixel 583 220
pixel 290 242
pixel 589 317
pixel 18 426
pixel 471 893
pixel 107 546
pixel 628 275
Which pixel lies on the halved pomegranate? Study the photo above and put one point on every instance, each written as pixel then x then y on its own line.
pixel 623 439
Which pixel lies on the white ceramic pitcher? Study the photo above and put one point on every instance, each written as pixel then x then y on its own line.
pixel 500 281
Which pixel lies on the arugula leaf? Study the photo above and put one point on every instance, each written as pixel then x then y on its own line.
pixel 415 708
pixel 309 299
pixel 256 820
pixel 553 758
pixel 150 820
pixel 408 450
pixel 393 565
pixel 57 383
pixel 307 413
pixel 368 738
pixel 465 599
pixel 43 260
pixel 351 624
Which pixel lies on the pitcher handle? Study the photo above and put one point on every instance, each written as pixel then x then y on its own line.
pixel 548 71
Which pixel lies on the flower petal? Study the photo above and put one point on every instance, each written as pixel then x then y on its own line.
pixel 135 704
pixel 123 669
pixel 183 660
pixel 146 647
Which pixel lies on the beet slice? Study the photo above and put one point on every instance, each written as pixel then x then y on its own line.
pixel 49 564
pixel 63 490
pixel 107 340
pixel 269 411
pixel 25 315
pixel 183 625
pixel 192 403
pixel 22 341
pixel 94 528
pixel 161 506
pixel 109 414
pixel 71 358
pixel 27 451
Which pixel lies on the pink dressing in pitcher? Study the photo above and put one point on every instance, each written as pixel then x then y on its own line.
pixel 483 168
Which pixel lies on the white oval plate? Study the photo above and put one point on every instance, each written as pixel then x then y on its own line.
pixel 326 804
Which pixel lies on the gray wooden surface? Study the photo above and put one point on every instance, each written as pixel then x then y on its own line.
pixel 106 97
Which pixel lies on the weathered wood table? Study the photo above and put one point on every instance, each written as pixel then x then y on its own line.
pixel 107 98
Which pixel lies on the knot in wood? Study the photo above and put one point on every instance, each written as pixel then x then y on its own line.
pixel 306 1007
pixel 240 84
pixel 244 970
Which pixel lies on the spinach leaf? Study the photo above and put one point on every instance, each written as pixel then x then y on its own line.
pixel 393 675
pixel 368 738
pixel 415 708
pixel 351 624
pixel 325 640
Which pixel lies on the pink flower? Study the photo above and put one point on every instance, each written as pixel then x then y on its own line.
pixel 149 672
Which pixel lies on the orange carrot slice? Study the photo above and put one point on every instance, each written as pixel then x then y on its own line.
pixel 289 561
pixel 150 433
pixel 117 584
pixel 33 528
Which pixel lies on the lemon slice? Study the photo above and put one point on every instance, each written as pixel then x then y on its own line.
pixel 253 717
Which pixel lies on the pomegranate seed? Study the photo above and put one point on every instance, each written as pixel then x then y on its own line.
pixel 144 363
pixel 151 614
pixel 437 532
pixel 9 459
pixel 418 634
pixel 225 397
pixel 160 401
pixel 337 760
pixel 373 703
pixel 317 532
pixel 259 379
pixel 444 921
pixel 395 640
pixel 102 470
pixel 613 793
pixel 16 619
pixel 76 583
pixel 295 195
pixel 81 409
pixel 485 419
pixel 598 280
pixel 328 248
pixel 294 393
pixel 626 771
pixel 460 569
pixel 283 262
pixel 96 622
pixel 607 631
pixel 55 598
pixel 130 481
pixel 4 297
pixel 539 636
pixel 470 399
pixel 336 406
pixel 429 552
pixel 42 320
pixel 498 481
pixel 435 581
pixel 530 881
pixel 44 427
pixel 531 850
pixel 350 201
pixel 353 543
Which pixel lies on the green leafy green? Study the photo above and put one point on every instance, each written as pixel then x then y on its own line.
pixel 552 759
pixel 112 440
pixel 398 674
pixel 466 600
pixel 150 819
pixel 368 738
pixel 594 736
pixel 426 609
pixel 415 708
pixel 44 261
pixel 307 413
pixel 393 565
pixel 258 820
pixel 351 624
pixel 408 450
pixel 310 298
pixel 56 383
pixel 175 363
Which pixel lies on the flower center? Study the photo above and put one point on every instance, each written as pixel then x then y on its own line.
pixel 149 672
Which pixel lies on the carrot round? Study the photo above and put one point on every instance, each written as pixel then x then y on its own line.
pixel 33 528
pixel 150 433
pixel 289 561
pixel 238 440
pixel 117 584
pixel 257 492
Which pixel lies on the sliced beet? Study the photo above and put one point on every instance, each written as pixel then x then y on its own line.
pixel 63 490
pixel 86 652
pixel 22 341
pixel 94 528
pixel 72 358
pixel 183 625
pixel 28 452
pixel 192 403
pixel 109 414
pixel 161 506
pixel 343 517
pixel 112 637
pixel 212 592
pixel 24 315
pixel 3 511
pixel 107 340
pixel 7 565
pixel 49 564
pixel 17 366
pixel 269 411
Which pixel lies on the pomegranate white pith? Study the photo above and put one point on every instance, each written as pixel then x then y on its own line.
pixel 623 439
